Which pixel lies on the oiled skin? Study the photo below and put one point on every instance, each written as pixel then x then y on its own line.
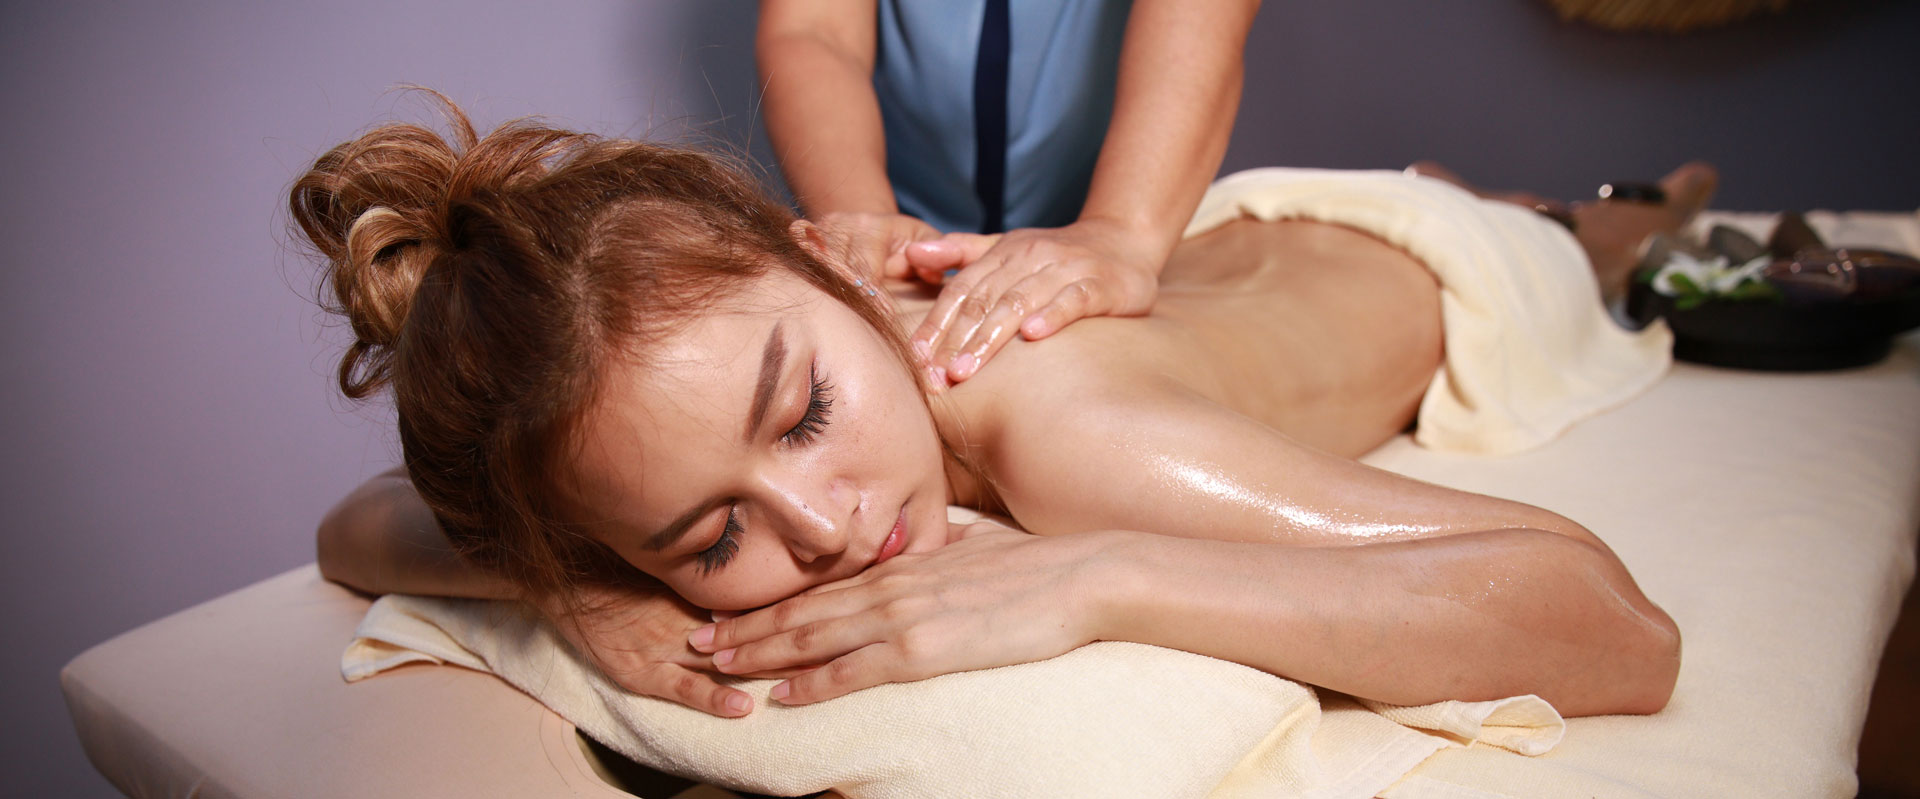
pixel 1273 346
pixel 1277 353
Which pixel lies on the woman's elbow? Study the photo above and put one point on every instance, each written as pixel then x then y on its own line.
pixel 331 549
pixel 1657 668
pixel 1632 644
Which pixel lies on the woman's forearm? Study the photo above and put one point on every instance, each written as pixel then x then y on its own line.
pixel 816 73
pixel 382 539
pixel 1178 92
pixel 1472 616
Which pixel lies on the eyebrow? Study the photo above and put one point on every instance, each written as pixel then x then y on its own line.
pixel 675 530
pixel 772 356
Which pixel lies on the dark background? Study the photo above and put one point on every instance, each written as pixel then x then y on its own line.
pixel 170 432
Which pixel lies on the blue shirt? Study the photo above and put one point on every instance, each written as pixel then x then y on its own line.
pixel 1063 65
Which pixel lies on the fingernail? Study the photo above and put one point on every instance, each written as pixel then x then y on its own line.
pixel 1033 327
pixel 779 692
pixel 964 365
pixel 723 657
pixel 701 638
pixel 923 349
pixel 739 704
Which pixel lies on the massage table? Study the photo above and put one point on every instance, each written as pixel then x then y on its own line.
pixel 1773 515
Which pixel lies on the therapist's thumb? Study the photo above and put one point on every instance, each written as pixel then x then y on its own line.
pixel 931 259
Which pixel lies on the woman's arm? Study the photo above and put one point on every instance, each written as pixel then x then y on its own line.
pixel 382 539
pixel 1177 94
pixel 1314 566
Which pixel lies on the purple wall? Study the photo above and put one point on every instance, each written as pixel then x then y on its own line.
pixel 170 429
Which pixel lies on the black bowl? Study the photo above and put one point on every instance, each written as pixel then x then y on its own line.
pixel 1837 333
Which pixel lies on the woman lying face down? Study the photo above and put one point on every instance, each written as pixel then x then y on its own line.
pixel 618 365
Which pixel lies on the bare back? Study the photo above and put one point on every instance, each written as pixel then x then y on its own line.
pixel 1323 333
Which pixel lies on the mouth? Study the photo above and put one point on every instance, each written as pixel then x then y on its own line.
pixel 896 539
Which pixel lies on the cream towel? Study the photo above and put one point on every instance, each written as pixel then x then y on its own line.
pixel 1107 720
pixel 1529 349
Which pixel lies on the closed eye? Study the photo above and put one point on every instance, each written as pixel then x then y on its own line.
pixel 819 409
pixel 721 553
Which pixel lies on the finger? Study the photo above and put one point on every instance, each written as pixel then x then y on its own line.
pixel 940 318
pixel 809 644
pixel 864 668
pixel 766 622
pixel 1009 311
pixel 905 231
pixel 932 260
pixel 969 312
pixel 685 686
pixel 980 286
pixel 1075 301
pixel 775 674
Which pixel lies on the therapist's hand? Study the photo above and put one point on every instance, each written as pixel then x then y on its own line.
pixel 638 638
pixel 993 598
pixel 1033 281
pixel 876 242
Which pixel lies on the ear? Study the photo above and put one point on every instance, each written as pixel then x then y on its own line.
pixel 810 236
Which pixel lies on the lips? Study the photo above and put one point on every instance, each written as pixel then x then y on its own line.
pixel 895 541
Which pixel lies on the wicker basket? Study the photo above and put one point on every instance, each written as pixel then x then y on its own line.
pixel 1670 16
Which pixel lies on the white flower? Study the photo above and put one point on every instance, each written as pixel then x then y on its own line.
pixel 1713 276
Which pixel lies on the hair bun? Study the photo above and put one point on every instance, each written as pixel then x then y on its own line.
pixel 376 280
pixel 375 208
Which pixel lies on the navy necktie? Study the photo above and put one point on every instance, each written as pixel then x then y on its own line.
pixel 990 117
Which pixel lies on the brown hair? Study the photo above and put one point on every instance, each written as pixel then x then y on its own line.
pixel 489 281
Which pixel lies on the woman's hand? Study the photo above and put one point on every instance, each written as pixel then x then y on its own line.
pixel 1034 281
pixel 876 243
pixel 638 638
pixel 995 597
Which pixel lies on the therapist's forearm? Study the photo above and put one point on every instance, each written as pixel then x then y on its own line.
pixel 1179 89
pixel 824 120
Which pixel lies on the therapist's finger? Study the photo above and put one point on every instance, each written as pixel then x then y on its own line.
pixel 933 259
pixel 1010 309
pixel 959 304
pixel 1077 300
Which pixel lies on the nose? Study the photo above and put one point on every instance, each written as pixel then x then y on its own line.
pixel 816 517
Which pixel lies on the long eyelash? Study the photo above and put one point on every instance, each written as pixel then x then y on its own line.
pixel 724 548
pixel 819 409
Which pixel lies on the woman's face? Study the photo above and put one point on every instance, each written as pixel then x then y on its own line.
pixel 773 444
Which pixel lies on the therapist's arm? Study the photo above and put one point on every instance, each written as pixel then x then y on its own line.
pixel 1179 89
pixel 815 59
